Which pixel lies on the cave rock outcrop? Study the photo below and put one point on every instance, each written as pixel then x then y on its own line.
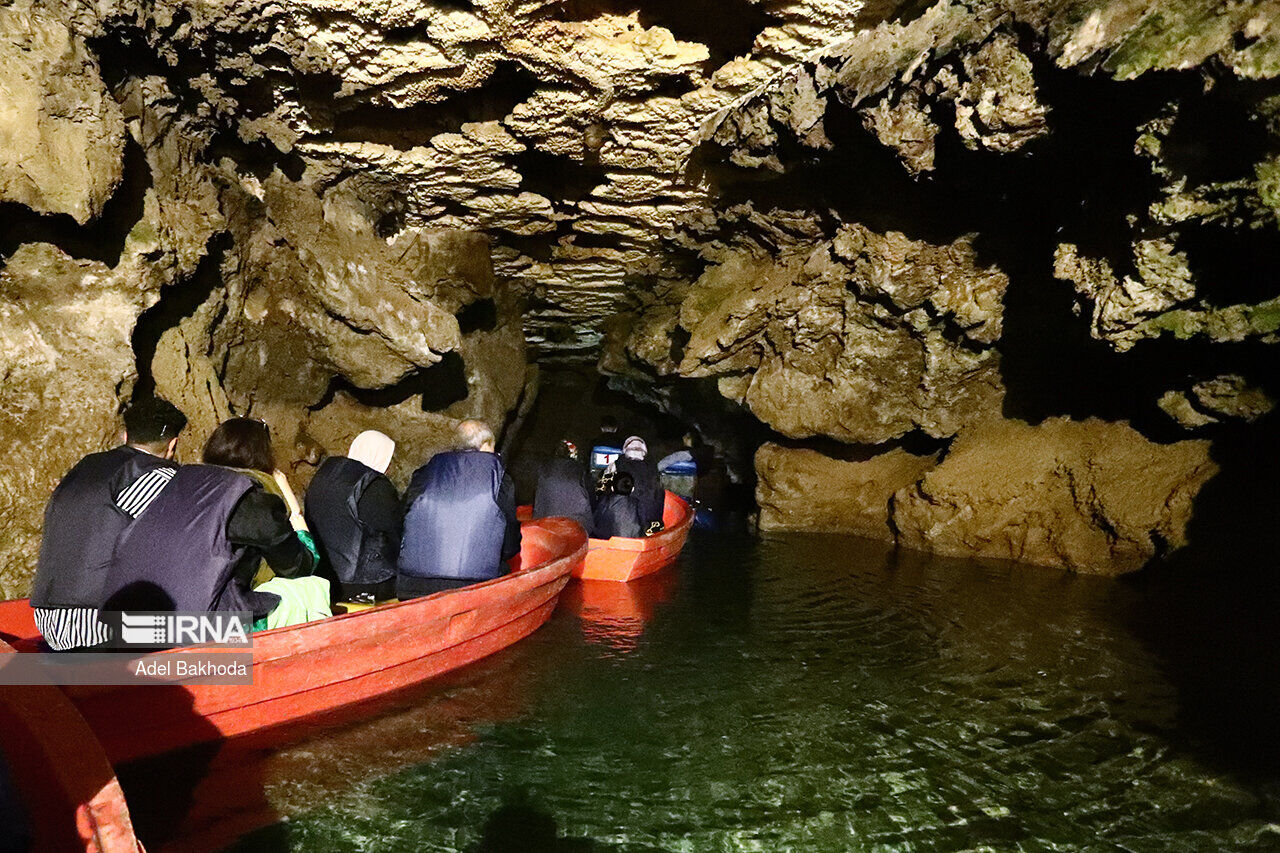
pixel 804 490
pixel 61 132
pixel 1089 496
pixel 64 355
pixel 863 338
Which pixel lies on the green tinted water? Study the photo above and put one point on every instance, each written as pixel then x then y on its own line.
pixel 794 693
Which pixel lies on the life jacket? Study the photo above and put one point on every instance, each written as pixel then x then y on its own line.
pixel 563 491
pixel 617 515
pixel 176 556
pixel 82 524
pixel 648 492
pixel 356 554
pixel 454 527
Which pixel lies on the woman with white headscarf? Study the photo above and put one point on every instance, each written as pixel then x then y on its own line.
pixel 355 514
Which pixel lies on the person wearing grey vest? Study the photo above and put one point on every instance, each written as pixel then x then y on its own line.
pixel 460 525
pixel 355 513
pixel 202 541
pixel 91 507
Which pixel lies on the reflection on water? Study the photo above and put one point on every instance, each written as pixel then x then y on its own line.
pixel 805 693
pixel 614 615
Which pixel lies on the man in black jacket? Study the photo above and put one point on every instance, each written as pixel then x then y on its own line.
pixel 564 487
pixel 91 507
pixel 617 514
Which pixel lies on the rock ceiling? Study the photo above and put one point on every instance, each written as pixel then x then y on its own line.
pixel 560 128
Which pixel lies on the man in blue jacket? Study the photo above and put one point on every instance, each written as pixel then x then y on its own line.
pixel 460 522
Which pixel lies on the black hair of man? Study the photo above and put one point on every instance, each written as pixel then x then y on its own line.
pixel 623 483
pixel 152 421
pixel 608 423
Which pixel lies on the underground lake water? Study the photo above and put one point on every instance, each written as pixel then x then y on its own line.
pixel 775 693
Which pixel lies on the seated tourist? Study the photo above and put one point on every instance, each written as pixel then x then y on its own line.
pixel 227 535
pixel 649 494
pixel 618 512
pixel 460 524
pixel 90 508
pixel 564 487
pixel 355 513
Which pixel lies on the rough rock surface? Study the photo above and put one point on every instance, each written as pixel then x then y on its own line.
pixel 61 133
pixel 802 489
pixel 561 128
pixel 863 337
pixel 317 176
pixel 310 311
pixel 1089 496
pixel 1227 397
pixel 64 353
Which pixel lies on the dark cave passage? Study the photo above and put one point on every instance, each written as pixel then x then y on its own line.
pixel 510 84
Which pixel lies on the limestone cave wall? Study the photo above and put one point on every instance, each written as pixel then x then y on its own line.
pixel 920 239
pixel 1019 258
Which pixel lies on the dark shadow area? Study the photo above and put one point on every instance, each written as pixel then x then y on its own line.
pixel 556 176
pixel 101 239
pixel 1209 611
pixel 164 790
pixel 440 386
pixel 1233 267
pixel 510 84
pixel 518 826
pixel 446 383
pixel 139 595
pixel 917 442
pixel 1195 146
pixel 478 316
pixel 177 302
pixel 572 401
pixel 570 404
pixel 256 158
pixel 727 27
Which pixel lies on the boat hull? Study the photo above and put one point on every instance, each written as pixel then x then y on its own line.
pixel 622 559
pixel 69 790
pixel 304 670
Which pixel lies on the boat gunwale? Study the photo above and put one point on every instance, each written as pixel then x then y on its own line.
pixel 394 611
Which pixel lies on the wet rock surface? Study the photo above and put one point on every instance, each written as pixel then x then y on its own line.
pixel 805 490
pixel 64 354
pixel 61 132
pixel 862 338
pixel 1088 496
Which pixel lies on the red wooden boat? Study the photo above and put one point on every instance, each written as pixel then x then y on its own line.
pixel 303 670
pixel 624 559
pixel 65 785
